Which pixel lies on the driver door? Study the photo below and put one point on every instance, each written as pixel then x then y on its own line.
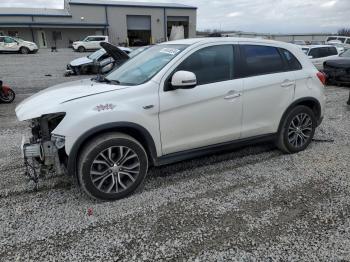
pixel 211 112
pixel 10 44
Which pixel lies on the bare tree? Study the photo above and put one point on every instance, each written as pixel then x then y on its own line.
pixel 344 31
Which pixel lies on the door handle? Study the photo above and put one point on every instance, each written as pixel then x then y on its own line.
pixel 288 83
pixel 232 95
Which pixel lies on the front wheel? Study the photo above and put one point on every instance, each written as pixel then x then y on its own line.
pixel 112 166
pixel 297 130
pixel 24 50
pixel 81 49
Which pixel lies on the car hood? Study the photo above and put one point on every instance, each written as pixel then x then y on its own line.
pixel 52 100
pixel 115 52
pixel 28 43
pixel 339 63
pixel 81 61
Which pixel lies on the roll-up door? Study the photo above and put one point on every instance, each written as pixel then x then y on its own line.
pixel 139 22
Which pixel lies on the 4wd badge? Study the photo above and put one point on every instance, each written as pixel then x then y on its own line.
pixel 105 107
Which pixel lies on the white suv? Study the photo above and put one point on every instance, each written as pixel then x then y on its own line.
pixel 89 43
pixel 319 54
pixel 175 101
pixel 17 45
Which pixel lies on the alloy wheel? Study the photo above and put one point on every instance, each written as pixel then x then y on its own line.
pixel 300 130
pixel 115 169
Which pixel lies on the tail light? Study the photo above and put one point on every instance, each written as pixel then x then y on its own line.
pixel 322 77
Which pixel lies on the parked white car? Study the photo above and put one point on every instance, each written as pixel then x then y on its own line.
pixel 345 40
pixel 90 43
pixel 17 45
pixel 338 44
pixel 318 54
pixel 177 100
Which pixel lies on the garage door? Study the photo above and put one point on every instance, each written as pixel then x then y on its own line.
pixel 138 22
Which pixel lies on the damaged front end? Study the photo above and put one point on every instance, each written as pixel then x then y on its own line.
pixel 44 152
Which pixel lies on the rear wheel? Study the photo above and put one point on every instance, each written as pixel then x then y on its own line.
pixel 24 50
pixel 81 49
pixel 297 131
pixel 112 166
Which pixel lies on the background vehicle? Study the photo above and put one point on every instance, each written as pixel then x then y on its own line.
pixel 99 61
pixel 319 54
pixel 7 95
pixel 17 45
pixel 338 69
pixel 343 39
pixel 177 100
pixel 339 45
pixel 89 43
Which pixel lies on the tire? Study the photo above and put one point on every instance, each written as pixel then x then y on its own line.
pixel 9 98
pixel 103 174
pixel 81 49
pixel 24 50
pixel 296 134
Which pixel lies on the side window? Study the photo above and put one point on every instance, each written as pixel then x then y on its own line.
pixel 292 61
pixel 261 60
pixel 8 40
pixel 210 64
pixel 1 39
pixel 348 41
pixel 315 53
pixel 331 38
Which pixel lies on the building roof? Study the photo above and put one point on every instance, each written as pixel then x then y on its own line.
pixel 130 4
pixel 14 11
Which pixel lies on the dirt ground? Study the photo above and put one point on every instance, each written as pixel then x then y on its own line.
pixel 247 205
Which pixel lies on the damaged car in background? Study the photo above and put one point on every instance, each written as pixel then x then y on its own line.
pixel 101 61
pixel 337 70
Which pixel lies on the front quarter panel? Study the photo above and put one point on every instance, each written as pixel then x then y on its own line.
pixel 124 105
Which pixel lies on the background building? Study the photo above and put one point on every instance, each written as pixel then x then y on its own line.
pixel 124 22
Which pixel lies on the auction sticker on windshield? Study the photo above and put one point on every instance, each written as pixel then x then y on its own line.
pixel 170 51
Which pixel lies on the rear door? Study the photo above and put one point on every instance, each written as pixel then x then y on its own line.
pixel 268 88
pixel 2 43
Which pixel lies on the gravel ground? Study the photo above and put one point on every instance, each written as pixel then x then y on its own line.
pixel 251 204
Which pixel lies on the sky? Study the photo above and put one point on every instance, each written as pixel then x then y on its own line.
pixel 262 16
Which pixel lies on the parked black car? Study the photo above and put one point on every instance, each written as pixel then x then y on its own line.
pixel 338 70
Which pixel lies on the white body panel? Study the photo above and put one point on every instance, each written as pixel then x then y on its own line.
pixel 181 119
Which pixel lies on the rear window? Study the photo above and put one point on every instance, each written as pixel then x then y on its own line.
pixel 331 38
pixel 292 61
pixel 323 52
pixel 261 60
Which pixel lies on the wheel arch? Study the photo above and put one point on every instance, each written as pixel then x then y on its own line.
pixel 136 131
pixel 310 102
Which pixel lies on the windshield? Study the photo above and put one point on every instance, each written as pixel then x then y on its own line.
pixel 148 64
pixel 18 39
pixel 138 51
pixel 96 55
pixel 346 53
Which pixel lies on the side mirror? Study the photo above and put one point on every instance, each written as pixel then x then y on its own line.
pixel 184 80
pixel 310 56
